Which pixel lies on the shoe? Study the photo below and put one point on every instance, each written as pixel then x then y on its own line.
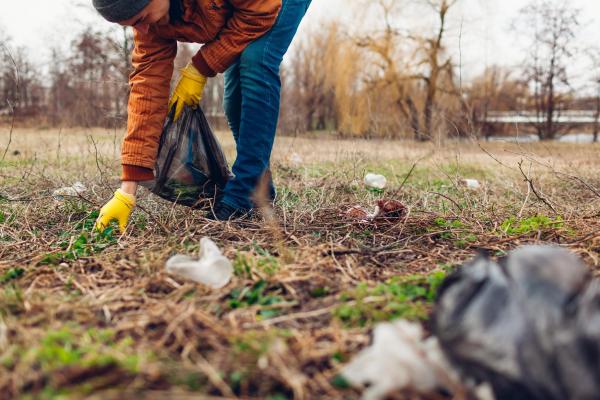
pixel 224 212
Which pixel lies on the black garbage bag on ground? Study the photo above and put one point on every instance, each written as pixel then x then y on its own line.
pixel 191 167
pixel 528 324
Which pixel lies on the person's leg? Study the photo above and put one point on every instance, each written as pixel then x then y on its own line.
pixel 232 104
pixel 260 87
pixel 232 99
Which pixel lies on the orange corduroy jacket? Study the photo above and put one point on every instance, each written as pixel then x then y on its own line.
pixel 225 27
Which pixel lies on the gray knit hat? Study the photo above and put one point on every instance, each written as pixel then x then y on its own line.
pixel 119 10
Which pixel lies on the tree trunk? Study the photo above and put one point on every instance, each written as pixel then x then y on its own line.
pixel 414 119
pixel 428 115
pixel 550 131
pixel 597 120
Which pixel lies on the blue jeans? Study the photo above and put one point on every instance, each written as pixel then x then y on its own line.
pixel 251 102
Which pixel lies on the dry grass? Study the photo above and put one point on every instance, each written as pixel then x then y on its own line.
pixel 82 315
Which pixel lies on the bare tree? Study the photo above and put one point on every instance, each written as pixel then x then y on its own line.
pixel 493 91
pixel 552 28
pixel 391 65
pixel 594 58
pixel 20 83
pixel 8 75
pixel 418 75
pixel 436 60
pixel 122 47
pixel 322 85
pixel 311 99
pixel 596 128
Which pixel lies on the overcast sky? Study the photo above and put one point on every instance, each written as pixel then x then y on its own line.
pixel 485 39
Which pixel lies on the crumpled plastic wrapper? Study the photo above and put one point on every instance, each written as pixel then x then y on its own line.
pixel 400 358
pixel 3 334
pixel 528 324
pixel 296 160
pixel 375 181
pixel 211 268
pixel 69 191
pixel 473 184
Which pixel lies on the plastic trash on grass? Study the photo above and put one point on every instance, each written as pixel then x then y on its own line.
pixel 400 358
pixel 191 165
pixel 528 324
pixel 3 335
pixel 384 209
pixel 69 191
pixel 296 160
pixel 390 209
pixel 471 183
pixel 211 268
pixel 375 181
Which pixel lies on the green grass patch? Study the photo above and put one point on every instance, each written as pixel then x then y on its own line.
pixel 454 230
pixel 399 297
pixel 531 225
pixel 258 261
pixel 74 346
pixel 85 243
pixel 12 301
pixel 287 198
pixel 6 218
pixel 11 274
pixel 258 294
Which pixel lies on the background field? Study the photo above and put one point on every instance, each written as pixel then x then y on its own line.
pixel 87 315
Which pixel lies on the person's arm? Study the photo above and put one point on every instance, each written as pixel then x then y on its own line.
pixel 150 81
pixel 250 20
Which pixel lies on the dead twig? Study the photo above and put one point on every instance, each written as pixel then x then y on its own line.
pixel 153 218
pixel 412 170
pixel 534 190
pixel 448 198
pixel 10 105
pixel 97 159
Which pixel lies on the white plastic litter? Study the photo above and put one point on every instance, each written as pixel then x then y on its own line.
pixel 211 268
pixel 296 159
pixel 471 183
pixel 69 191
pixel 375 181
pixel 398 359
pixel 3 335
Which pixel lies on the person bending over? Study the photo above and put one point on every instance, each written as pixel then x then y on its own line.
pixel 245 39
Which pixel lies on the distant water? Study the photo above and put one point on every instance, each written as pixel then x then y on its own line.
pixel 582 138
pixel 578 138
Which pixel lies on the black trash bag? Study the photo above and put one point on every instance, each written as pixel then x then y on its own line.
pixel 191 167
pixel 528 324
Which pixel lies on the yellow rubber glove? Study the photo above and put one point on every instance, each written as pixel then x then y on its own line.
pixel 189 89
pixel 118 209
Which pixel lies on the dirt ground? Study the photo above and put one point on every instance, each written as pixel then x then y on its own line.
pixel 96 316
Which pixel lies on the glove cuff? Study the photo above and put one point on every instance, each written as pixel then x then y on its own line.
pixel 191 72
pixel 202 66
pixel 126 198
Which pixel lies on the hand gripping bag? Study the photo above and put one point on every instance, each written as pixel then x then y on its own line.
pixel 190 168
